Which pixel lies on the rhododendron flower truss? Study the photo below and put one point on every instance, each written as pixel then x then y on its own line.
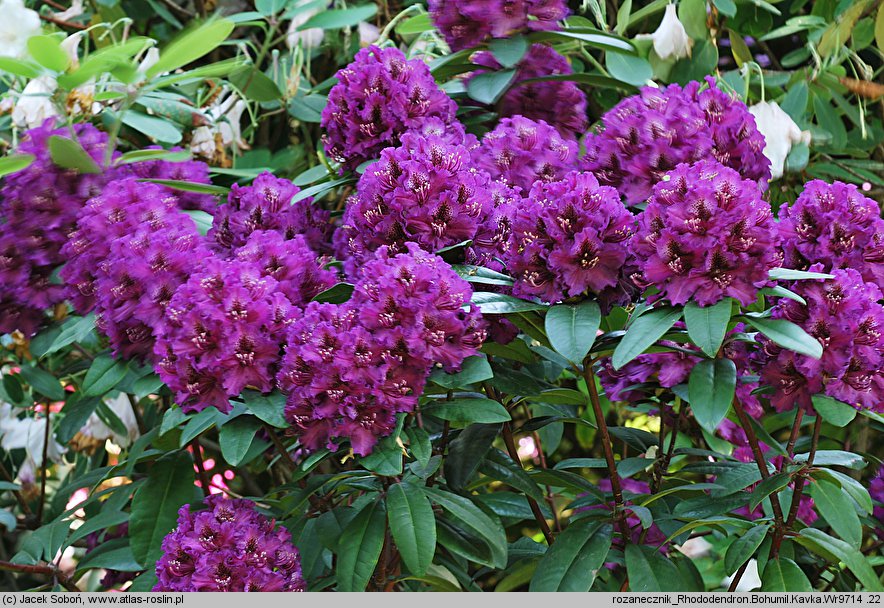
pixel 846 316
pixel 228 547
pixel 38 208
pixel 349 369
pixel 379 96
pixel 706 234
pixel 466 23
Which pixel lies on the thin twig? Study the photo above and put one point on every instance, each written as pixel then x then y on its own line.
pixel 62 22
pixel 44 467
pixel 47 570
pixel 535 508
pixel 737 577
pixel 619 513
pixel 759 457
pixel 793 437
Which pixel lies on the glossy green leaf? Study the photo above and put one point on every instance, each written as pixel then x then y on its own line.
pixel 508 51
pixel 358 553
pixel 192 45
pixel 629 68
pixel 835 549
pixel 268 408
pixel 69 154
pixel 236 438
pixel 837 509
pixel 782 574
pixel 572 328
pixel 768 486
pixel 413 526
pixel 711 389
pixel 742 549
pixel 103 375
pixel 15 163
pixel 47 51
pixel 643 332
pixel 336 19
pixel 572 562
pixel 649 570
pixel 468 410
pixel 476 522
pixel 833 411
pixel 707 325
pixel 489 87
pixel 42 382
pixel 788 335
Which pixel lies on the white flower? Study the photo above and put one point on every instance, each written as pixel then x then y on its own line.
pixel 223 132
pixel 27 433
pixel 695 548
pixel 749 581
pixel 309 38
pixel 96 429
pixel 35 105
pixel 780 134
pixel 368 33
pixel 75 10
pixel 671 41
pixel 18 24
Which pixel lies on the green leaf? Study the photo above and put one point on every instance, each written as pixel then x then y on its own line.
pixel 783 574
pixel 499 304
pixel 768 486
pixel 8 520
pixel 307 108
pixel 629 68
pixel 16 67
pixel 836 458
pixel 42 381
pixel 336 19
pixel 15 163
pixel 363 540
pixel 198 424
pixel 834 549
pixel 191 46
pixel 474 369
pixel 69 154
pixel 76 412
pixel 468 410
pixel 742 549
pixel 415 25
pixel 47 51
pixel 155 505
pixel 489 87
pixel 190 186
pixel 501 467
pixel 154 127
pixel 788 335
pixel 856 490
pixel 590 36
pixel 643 332
pixel 236 438
pixel 508 51
pixel 837 509
pixel 726 8
pixel 413 526
pixel 75 329
pixel 486 528
pixel 879 28
pixel 692 14
pixel 711 388
pixel 386 457
pixel 649 570
pixel 479 274
pixel 255 85
pixel 202 220
pixel 572 328
pixel 787 274
pixel 336 294
pixel 707 325
pixel 833 411
pixel 829 119
pixel 103 375
pixel 466 453
pixel 572 562
pixel 268 408
pixel 112 555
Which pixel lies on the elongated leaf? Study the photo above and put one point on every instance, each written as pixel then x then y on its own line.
pixel 782 574
pixel 336 19
pixel 69 154
pixel 742 549
pixel 103 375
pixel 837 509
pixel 572 328
pixel 489 87
pixel 15 163
pixel 468 410
pixel 788 335
pixel 413 526
pixel 708 325
pixel 362 541
pixel 787 274
pixel 480 274
pixel 833 411
pixel 834 549
pixel 43 382
pixel 766 487
pixel 474 369
pixel 572 562
pixel 649 570
pixel 467 452
pixel 268 408
pixel 155 505
pixel 191 46
pixel 236 438
pixel 156 128
pixel 476 522
pixel 838 458
pixel 47 51
pixel 643 332
pixel 711 388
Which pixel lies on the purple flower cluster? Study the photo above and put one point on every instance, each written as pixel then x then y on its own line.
pixel 349 369
pixel 836 226
pixel 521 151
pixel 569 238
pixel 844 313
pixel 559 103
pixel 225 327
pixel 131 250
pixel 647 135
pixel 466 23
pixel 379 96
pixel 706 234
pixel 228 547
pixel 266 205
pixel 424 192
pixel 38 208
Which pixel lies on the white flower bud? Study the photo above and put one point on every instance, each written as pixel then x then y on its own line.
pixel 368 33
pixel 671 41
pixel 18 24
pixel 309 38
pixel 780 134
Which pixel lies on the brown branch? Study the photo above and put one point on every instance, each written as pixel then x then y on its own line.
pixel 759 457
pixel 44 467
pixel 62 22
pixel 737 577
pixel 280 447
pixel 800 482
pixel 619 513
pixel 535 508
pixel 47 570
pixel 793 437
